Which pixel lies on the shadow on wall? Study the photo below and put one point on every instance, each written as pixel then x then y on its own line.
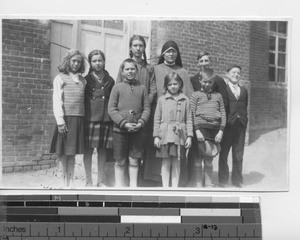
pixel 255 134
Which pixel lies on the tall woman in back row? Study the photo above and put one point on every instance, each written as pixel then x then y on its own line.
pixel 169 61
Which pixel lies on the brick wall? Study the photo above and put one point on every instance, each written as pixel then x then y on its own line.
pixel 268 100
pixel 27 124
pixel 227 41
pixel 241 42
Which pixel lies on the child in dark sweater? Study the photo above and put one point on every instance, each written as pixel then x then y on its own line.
pixel 129 109
pixel 209 119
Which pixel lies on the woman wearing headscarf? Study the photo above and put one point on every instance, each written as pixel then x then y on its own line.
pixel 169 61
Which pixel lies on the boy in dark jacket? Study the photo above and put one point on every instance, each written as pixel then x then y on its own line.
pixel 129 109
pixel 235 130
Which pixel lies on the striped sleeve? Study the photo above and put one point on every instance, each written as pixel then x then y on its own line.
pixel 193 104
pixel 223 113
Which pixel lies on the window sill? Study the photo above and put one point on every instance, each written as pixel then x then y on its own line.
pixel 278 85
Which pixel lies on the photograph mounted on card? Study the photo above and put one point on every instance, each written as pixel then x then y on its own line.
pixel 128 103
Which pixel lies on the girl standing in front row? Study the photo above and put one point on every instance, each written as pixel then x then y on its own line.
pixel 98 124
pixel 68 107
pixel 173 129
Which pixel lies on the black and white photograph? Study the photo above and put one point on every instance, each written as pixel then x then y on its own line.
pixel 194 100
pixel 141 103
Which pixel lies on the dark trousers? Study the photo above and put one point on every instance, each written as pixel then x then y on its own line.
pixel 233 137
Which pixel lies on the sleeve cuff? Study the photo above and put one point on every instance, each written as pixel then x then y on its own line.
pixel 60 121
pixel 122 123
pixel 142 122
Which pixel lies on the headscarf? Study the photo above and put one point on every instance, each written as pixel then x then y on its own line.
pixel 166 46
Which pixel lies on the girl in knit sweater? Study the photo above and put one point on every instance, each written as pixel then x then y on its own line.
pixel 173 129
pixel 68 107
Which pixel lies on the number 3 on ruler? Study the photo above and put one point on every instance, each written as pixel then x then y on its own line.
pixel 198 230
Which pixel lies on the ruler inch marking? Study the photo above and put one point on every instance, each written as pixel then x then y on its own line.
pixel 80 226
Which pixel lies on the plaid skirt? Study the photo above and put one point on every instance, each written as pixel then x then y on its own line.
pixel 72 143
pixel 98 134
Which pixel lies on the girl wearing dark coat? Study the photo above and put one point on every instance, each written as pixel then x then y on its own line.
pixel 98 124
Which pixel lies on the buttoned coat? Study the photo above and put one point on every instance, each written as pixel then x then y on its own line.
pixel 97 97
pixel 170 113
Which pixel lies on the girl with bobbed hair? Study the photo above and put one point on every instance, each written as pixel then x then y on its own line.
pixel 98 124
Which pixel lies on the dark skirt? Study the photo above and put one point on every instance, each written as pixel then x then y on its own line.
pixel 73 142
pixel 98 134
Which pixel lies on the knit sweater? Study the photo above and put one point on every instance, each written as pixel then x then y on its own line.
pixel 219 86
pixel 208 113
pixel 145 75
pixel 68 96
pixel 128 102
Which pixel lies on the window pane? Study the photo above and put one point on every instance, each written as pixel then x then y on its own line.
pixel 282 45
pixel 281 75
pixel 282 27
pixel 271 74
pixel 114 24
pixel 281 60
pixel 92 22
pixel 272 58
pixel 273 26
pixel 141 27
pixel 272 43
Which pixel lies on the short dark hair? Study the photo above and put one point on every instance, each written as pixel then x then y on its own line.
pixel 93 53
pixel 201 54
pixel 173 76
pixel 233 66
pixel 128 60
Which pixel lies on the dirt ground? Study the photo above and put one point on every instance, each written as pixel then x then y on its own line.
pixel 265 169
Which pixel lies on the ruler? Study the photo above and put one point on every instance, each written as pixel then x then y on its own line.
pixel 115 217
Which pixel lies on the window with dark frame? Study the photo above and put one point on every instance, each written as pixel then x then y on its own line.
pixel 278 51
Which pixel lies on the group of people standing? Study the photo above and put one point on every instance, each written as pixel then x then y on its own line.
pixel 161 124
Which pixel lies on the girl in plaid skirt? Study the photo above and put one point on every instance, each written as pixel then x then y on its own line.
pixel 98 124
